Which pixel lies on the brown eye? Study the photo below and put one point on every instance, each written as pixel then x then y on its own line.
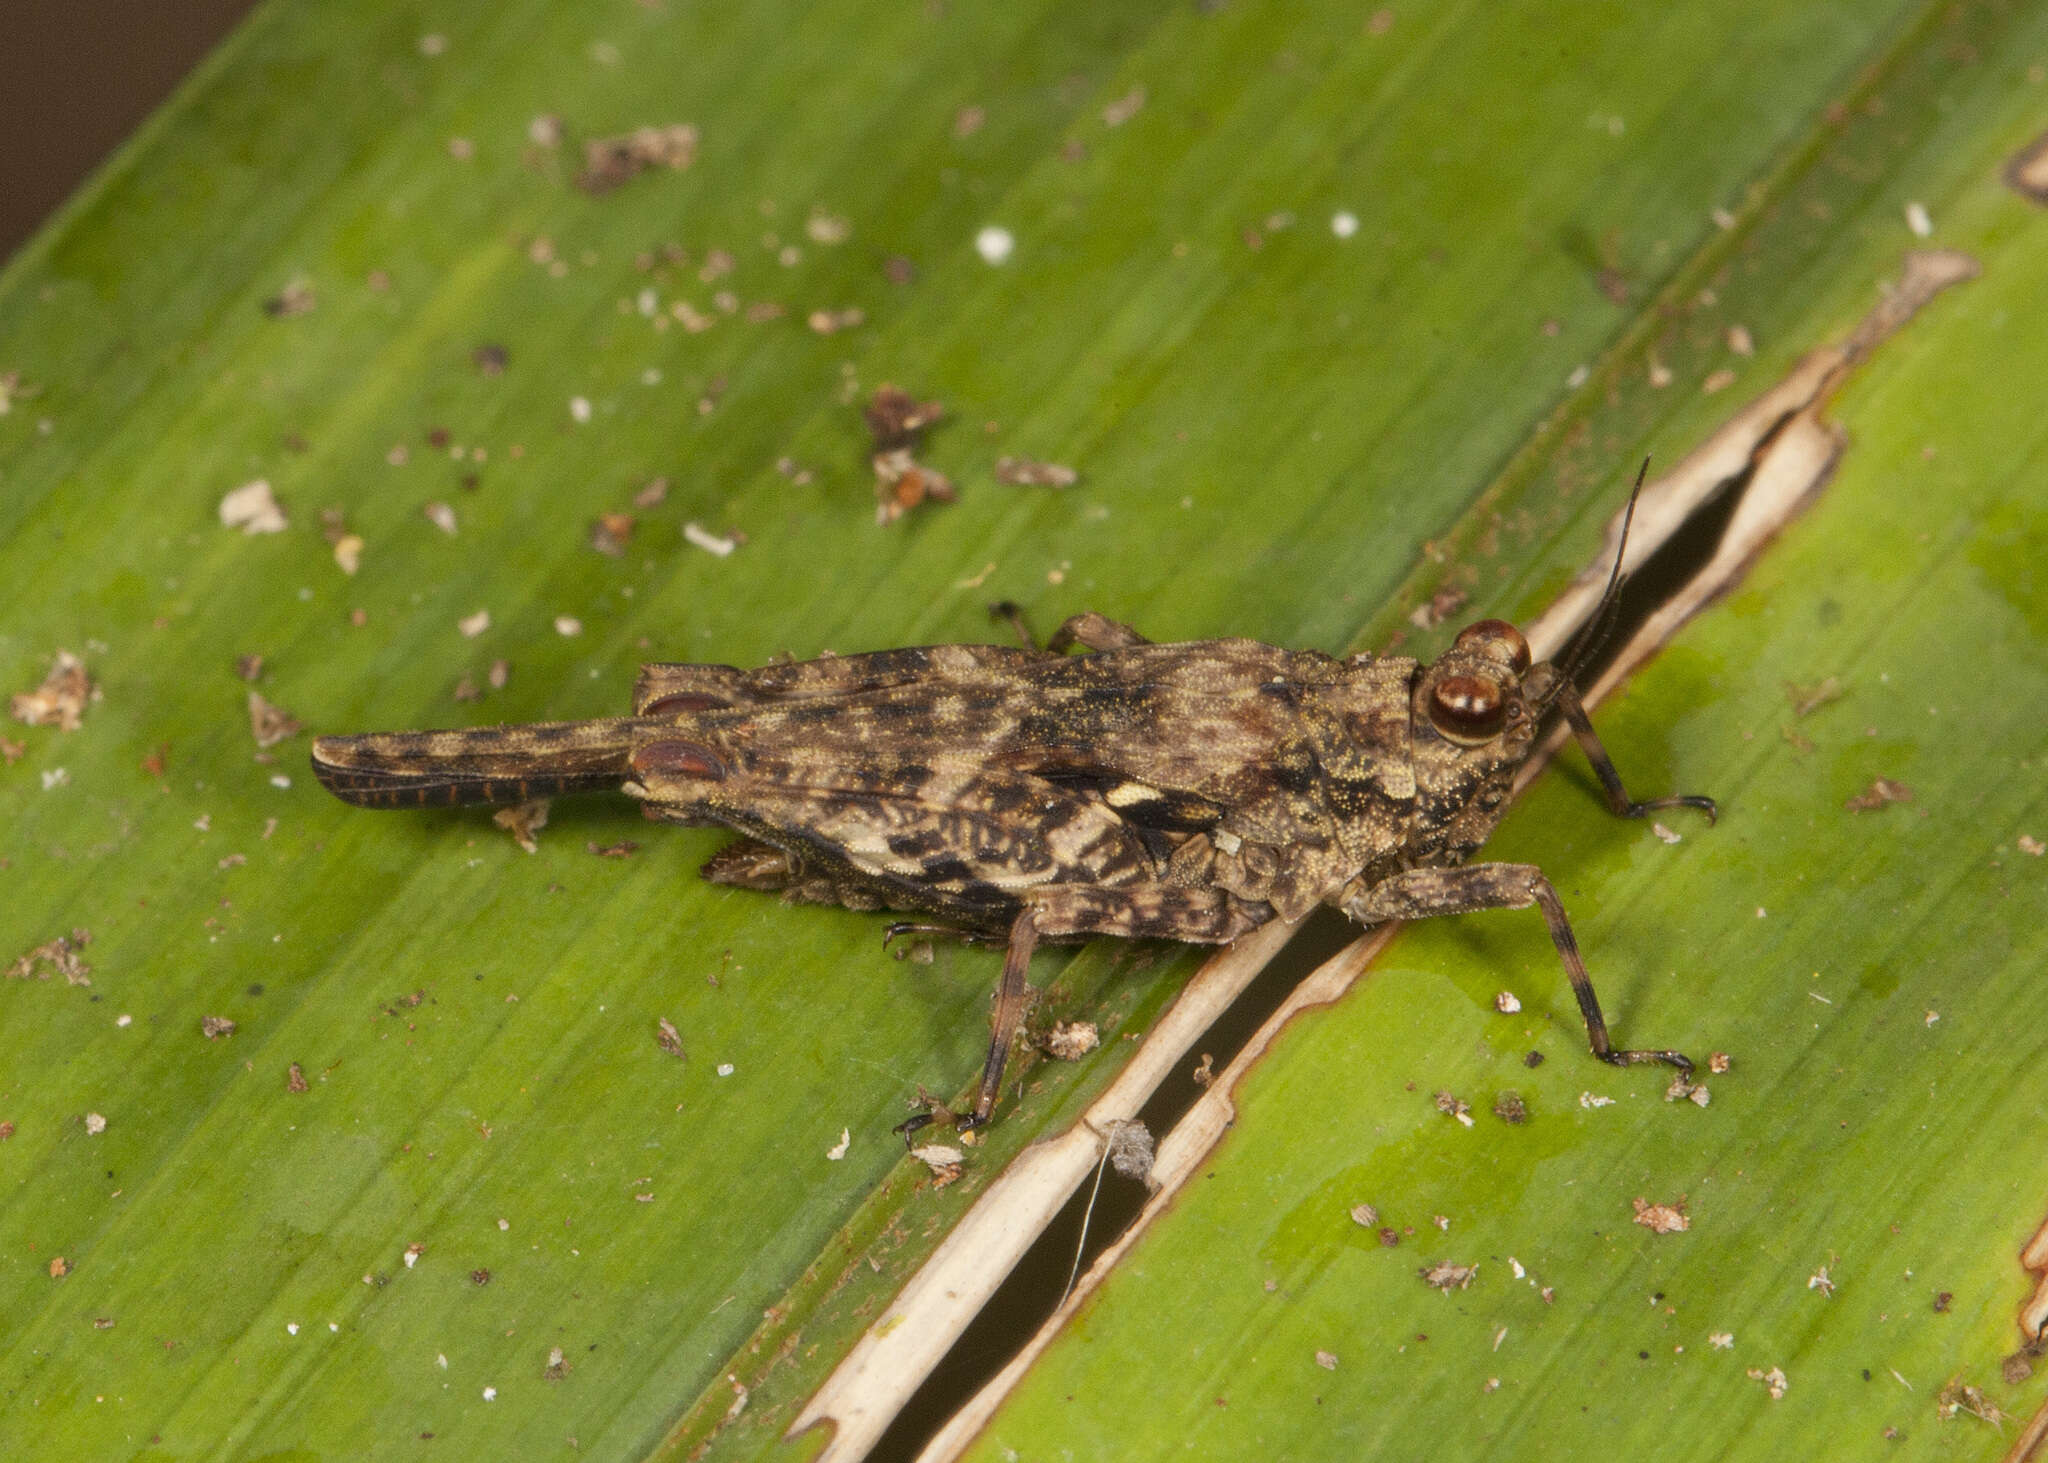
pixel 1499 639
pixel 1467 708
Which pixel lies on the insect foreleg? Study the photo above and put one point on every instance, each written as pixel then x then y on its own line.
pixel 1603 766
pixel 1419 893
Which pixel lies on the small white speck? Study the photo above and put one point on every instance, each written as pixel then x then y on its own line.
pixel 568 625
pixel 1821 998
pixel 278 779
pixel 838 1150
pixel 1723 219
pixel 1507 1003
pixel 124 1019
pixel 1932 1017
pixel 441 1360
pixel 651 376
pixel 648 303
pixel 711 543
pixel 291 1328
pixel 1516 1266
pixel 412 1258
pixel 433 44
pixel 1589 1099
pixel 55 777
pixel 504 1224
pixel 474 625
pixel 1666 834
pixel 1721 1340
pixel 725 1069
pixel 1579 377
pixel 579 408
pixel 441 516
pixel 1918 221
pixel 1343 225
pixel 490 1394
pixel 95 1124
pixel 995 244
pixel 334 1326
pixel 1761 912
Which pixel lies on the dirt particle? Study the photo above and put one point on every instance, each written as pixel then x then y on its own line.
pixel 441 515
pixel 1718 381
pixel 2031 845
pixel 60 955
pixel 1943 1299
pixel 1454 1107
pixel 474 625
pixel 1808 699
pixel 1130 1150
pixel 490 360
pixel 1025 472
pixel 95 1124
pixel 1821 1281
pixel 653 493
pixel 1124 107
pixel 270 724
pixel 1718 1062
pixel 60 700
pixel 1532 1060
pixel 610 533
pixel 1739 340
pixel 1445 1276
pixel 213 1028
pixel 1507 1003
pixel 558 1366
pixel 1327 1360
pixel 1390 1237
pixel 1959 1398
pixel 249 667
pixel 609 162
pixel 524 822
pixel 295 1079
pixel 59 1267
pixel 1069 1041
pixel 1510 1108
pixel 1882 790
pixel 6 1131
pixel 624 848
pixel 1662 1218
pixel 1774 1380
pixel 719 546
pixel 669 1039
pixel 1205 1071
pixel 2016 1368
pixel 296 298
pixel 831 322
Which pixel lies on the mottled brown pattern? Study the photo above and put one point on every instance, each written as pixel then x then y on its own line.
pixel 1189 791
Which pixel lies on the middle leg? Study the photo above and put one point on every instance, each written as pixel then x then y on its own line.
pixel 1065 911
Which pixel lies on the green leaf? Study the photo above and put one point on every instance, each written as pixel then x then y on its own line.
pixel 1279 433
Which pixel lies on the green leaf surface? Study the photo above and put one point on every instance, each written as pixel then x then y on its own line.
pixel 1275 425
pixel 1861 1186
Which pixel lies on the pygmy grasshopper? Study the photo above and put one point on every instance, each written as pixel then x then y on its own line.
pixel 1187 791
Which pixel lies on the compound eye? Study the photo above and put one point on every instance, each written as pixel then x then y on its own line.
pixel 1468 709
pixel 1498 638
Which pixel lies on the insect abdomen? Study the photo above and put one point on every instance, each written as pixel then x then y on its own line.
pixel 497 764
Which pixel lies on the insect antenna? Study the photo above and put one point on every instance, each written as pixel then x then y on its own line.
pixel 1593 638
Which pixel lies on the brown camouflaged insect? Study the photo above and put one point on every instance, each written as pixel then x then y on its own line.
pixel 1188 792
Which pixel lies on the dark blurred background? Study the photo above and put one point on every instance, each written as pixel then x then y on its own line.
pixel 76 77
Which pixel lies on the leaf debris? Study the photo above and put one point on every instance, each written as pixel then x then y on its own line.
pixel 253 508
pixel 1662 1218
pixel 1069 1041
pixel 609 162
pixel 270 724
pixel 1774 1380
pixel 213 1028
pixel 61 955
pixel 1960 1397
pixel 1445 1276
pixel 523 822
pixel 1882 790
pixel 60 700
pixel 1025 472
